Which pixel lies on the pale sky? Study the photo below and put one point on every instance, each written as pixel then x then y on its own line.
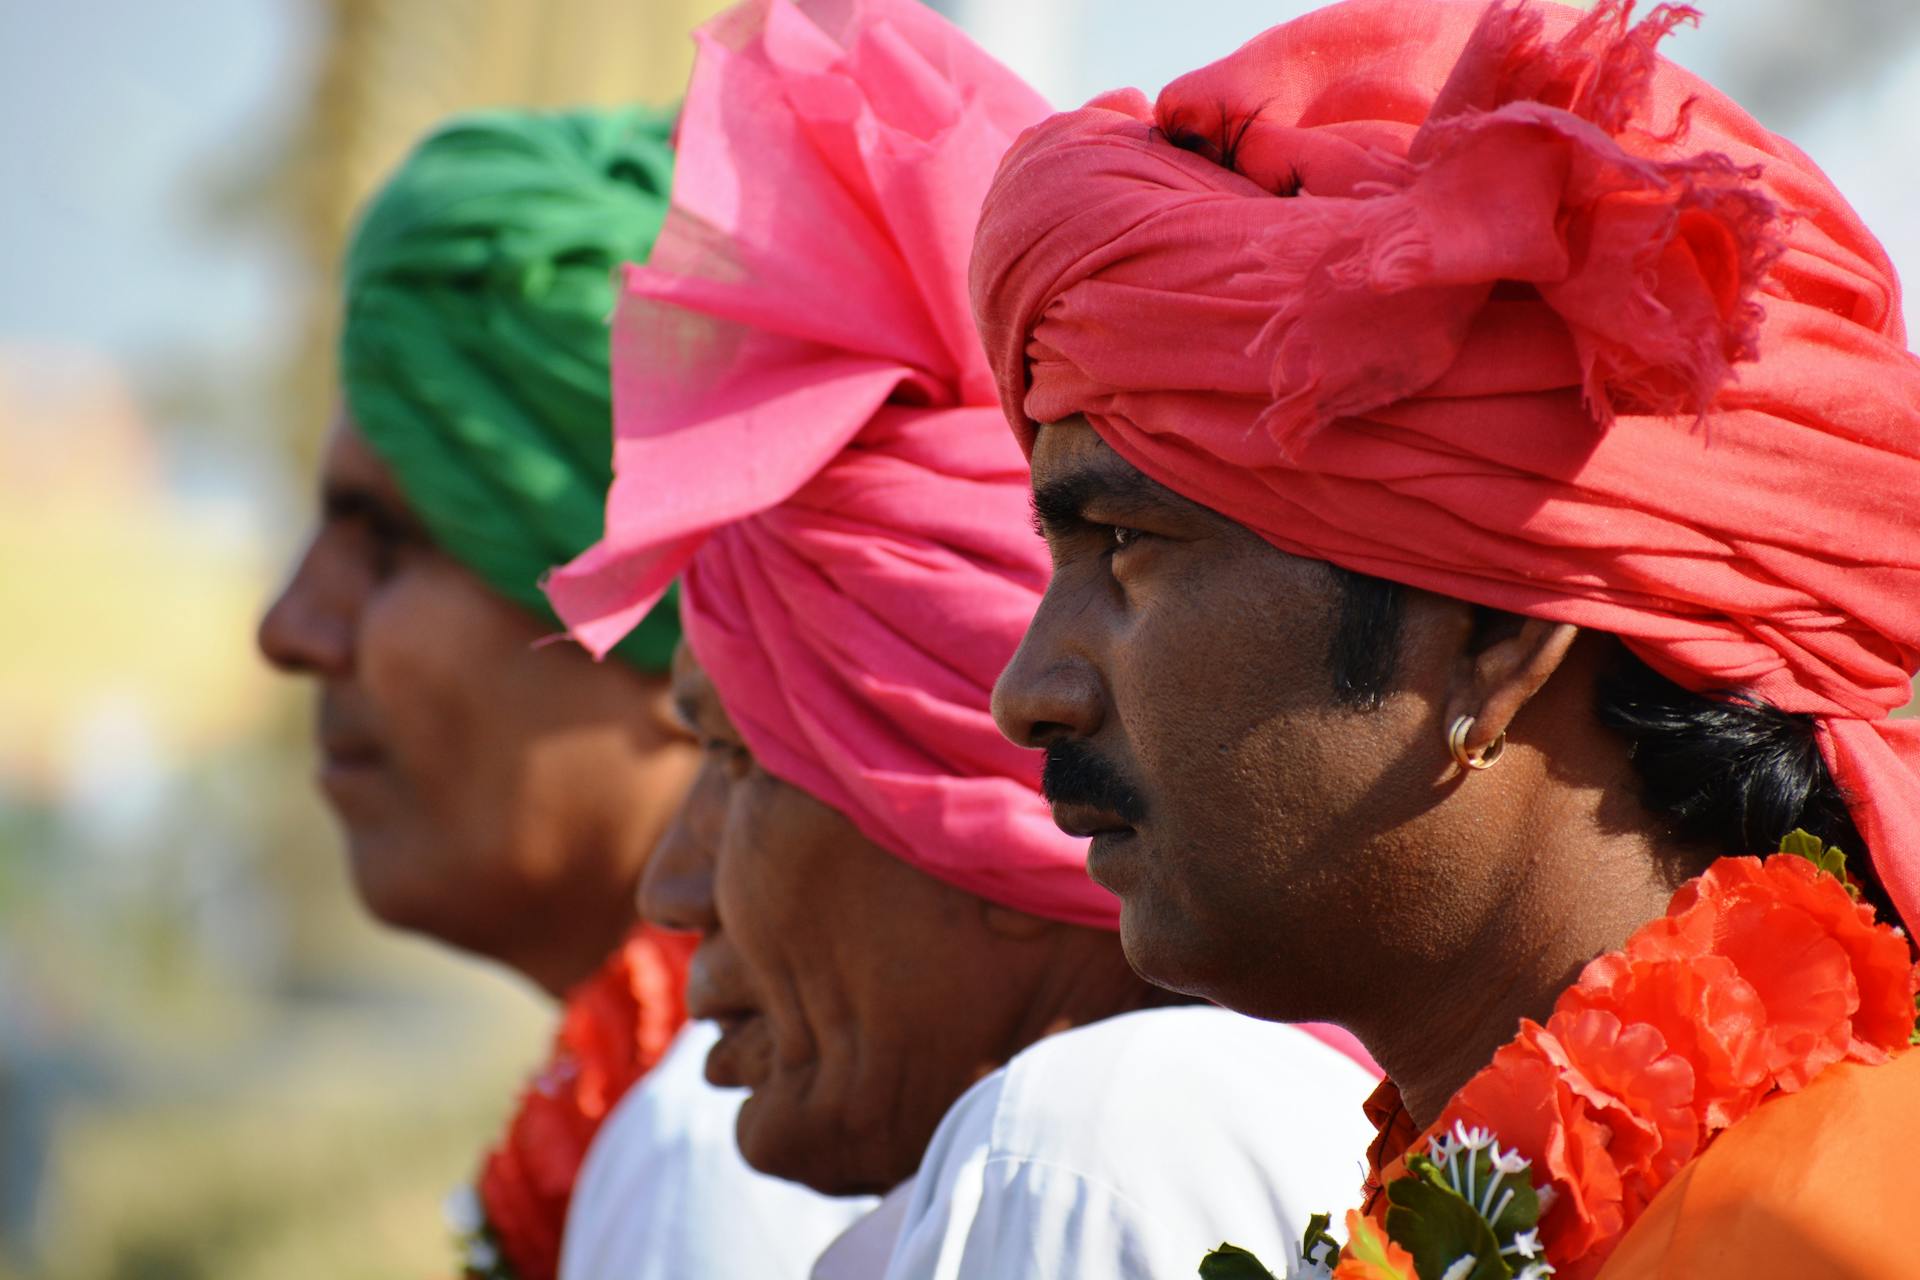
pixel 121 120
pixel 1840 78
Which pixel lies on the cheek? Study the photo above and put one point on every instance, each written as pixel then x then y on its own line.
pixel 426 707
pixel 767 895
pixel 441 662
pixel 777 917
pixel 1226 706
pixel 1210 666
pixel 865 972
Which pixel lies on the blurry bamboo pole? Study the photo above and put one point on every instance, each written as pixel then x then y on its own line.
pixel 391 69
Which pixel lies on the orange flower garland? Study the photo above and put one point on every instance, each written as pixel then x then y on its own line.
pixel 615 1026
pixel 1761 975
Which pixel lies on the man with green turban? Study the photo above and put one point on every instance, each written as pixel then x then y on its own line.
pixel 496 793
pixel 474 345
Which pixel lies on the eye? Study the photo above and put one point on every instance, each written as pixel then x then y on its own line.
pixel 389 541
pixel 379 541
pixel 1119 536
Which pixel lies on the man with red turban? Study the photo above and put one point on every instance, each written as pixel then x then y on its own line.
pixel 806 435
pixel 1479 465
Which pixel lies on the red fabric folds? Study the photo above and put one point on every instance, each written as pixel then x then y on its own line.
pixel 806 430
pixel 1491 300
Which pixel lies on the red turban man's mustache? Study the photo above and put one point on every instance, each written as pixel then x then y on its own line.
pixel 1493 301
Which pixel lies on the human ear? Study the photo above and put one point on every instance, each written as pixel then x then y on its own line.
pixel 1503 676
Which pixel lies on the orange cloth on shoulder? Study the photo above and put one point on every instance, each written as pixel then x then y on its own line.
pixel 1823 1182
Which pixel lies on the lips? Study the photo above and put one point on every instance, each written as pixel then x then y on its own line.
pixel 346 744
pixel 1114 860
pixel 743 1054
pixel 1086 820
pixel 742 1058
pixel 352 773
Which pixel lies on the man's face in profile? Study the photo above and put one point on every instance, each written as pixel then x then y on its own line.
pixel 1177 676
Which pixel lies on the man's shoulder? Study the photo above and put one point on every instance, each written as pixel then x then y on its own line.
pixel 1192 1075
pixel 1133 1145
pixel 1818 1182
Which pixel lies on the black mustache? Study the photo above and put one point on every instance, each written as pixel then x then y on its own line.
pixel 1075 775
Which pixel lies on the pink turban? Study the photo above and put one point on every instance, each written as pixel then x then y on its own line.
pixel 806 430
pixel 1493 301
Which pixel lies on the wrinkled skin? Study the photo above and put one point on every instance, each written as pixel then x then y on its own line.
pixel 857 997
pixel 1291 855
pixel 495 795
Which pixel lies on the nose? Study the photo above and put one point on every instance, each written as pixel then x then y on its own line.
pixel 677 890
pixel 1051 689
pixel 309 627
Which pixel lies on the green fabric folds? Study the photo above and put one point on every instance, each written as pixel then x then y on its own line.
pixel 474 346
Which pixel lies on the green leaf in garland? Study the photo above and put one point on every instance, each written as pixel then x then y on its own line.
pixel 1231 1262
pixel 1803 844
pixel 1914 1039
pixel 1830 859
pixel 1318 1245
pixel 1507 1194
pixel 1434 1223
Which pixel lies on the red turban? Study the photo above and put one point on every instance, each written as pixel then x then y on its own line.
pixel 1493 301
pixel 805 427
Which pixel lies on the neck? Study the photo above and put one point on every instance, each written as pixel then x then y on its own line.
pixel 558 969
pixel 1574 895
pixel 1088 980
pixel 570 928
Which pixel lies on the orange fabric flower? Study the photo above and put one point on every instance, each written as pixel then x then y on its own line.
pixel 1760 976
pixel 1878 958
pixel 1535 1098
pixel 1369 1255
pixel 519 1214
pixel 1634 1088
pixel 1668 979
pixel 616 1025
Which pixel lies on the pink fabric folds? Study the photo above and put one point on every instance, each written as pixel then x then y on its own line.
pixel 1493 301
pixel 806 431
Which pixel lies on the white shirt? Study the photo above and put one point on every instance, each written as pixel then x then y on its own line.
pixel 664 1195
pixel 1125 1150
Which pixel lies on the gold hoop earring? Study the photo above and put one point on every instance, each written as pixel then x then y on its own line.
pixel 1485 758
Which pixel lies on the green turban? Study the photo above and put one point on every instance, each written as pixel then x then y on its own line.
pixel 474 346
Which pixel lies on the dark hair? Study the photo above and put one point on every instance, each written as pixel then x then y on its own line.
pixel 1365 647
pixel 1723 771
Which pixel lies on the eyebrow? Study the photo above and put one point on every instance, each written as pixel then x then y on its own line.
pixel 687 710
pixel 1060 504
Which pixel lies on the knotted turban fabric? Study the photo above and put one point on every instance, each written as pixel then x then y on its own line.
pixel 1493 301
pixel 807 430
pixel 473 347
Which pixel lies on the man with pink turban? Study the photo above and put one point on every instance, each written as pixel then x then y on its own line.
pixel 1479 464
pixel 807 437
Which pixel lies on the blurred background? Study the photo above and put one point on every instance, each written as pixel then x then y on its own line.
pixel 210 1064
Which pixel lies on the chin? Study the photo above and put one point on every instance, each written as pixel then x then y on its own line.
pixel 786 1140
pixel 1174 951
pixel 397 896
pixel 1160 946
pixel 768 1135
